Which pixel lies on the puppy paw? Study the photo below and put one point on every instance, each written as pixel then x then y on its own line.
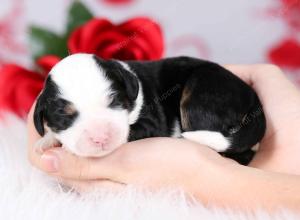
pixel 212 139
pixel 45 143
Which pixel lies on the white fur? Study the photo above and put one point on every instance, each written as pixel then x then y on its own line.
pixel 134 114
pixel 126 67
pixel 26 194
pixel 82 82
pixel 176 129
pixel 214 140
pixel 255 147
pixel 47 141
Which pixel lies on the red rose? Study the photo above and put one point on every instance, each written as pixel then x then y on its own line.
pixel 117 2
pixel 47 62
pixel 136 39
pixel 291 13
pixel 19 87
pixel 286 54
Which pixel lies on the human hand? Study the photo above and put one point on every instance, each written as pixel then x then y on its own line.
pixel 153 163
pixel 280 148
pixel 165 162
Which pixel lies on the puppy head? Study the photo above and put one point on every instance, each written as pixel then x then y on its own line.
pixel 88 105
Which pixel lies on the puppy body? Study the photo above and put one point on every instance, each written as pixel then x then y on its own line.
pixel 126 101
pixel 213 106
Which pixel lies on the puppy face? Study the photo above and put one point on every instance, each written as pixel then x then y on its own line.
pixel 88 105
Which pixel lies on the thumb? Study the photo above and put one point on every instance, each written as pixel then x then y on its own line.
pixel 59 162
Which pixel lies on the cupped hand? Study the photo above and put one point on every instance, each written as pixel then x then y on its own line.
pixel 165 162
pixel 152 163
pixel 280 148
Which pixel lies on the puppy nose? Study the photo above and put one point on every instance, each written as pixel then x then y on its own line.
pixel 97 138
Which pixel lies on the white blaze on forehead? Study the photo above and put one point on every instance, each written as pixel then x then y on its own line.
pixel 82 81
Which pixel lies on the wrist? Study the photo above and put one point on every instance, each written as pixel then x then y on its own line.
pixel 249 188
pixel 270 157
pixel 216 183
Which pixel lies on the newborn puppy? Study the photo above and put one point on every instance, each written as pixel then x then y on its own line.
pixel 92 106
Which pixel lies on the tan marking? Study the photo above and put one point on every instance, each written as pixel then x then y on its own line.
pixel 185 97
pixel 70 109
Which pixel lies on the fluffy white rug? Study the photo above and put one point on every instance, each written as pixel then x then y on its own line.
pixel 25 193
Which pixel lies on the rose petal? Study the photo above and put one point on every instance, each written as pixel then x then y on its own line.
pixel 286 54
pixel 117 1
pixel 47 62
pixel 132 54
pixel 141 35
pixel 107 38
pixel 147 29
pixel 19 88
pixel 94 27
pixel 75 40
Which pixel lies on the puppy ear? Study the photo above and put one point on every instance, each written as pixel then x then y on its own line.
pixel 123 76
pixel 131 84
pixel 38 117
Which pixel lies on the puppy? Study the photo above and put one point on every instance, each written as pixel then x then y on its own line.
pixel 92 106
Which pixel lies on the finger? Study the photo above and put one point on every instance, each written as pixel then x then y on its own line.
pixel 92 185
pixel 59 162
pixel 257 74
pixel 279 97
pixel 262 77
pixel 242 71
pixel 271 85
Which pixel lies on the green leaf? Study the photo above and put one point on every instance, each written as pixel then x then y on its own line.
pixel 43 42
pixel 78 15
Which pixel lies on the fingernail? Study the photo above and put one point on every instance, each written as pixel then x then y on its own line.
pixel 50 161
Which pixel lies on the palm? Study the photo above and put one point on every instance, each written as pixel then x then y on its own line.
pixel 281 104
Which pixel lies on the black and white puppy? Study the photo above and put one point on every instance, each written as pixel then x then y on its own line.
pixel 92 106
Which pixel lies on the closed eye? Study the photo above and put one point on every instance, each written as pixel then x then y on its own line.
pixel 60 114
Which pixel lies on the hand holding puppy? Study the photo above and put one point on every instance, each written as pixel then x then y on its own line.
pixel 279 149
pixel 166 162
pixel 92 106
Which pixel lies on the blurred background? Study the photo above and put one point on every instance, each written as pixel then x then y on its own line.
pixel 228 31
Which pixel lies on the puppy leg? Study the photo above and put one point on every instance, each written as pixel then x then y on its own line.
pixel 212 139
pixel 216 113
pixel 199 119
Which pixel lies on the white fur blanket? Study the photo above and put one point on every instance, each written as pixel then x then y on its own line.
pixel 25 193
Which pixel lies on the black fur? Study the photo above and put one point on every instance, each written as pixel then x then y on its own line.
pixel 211 98
pixel 38 117
pixel 51 109
pixel 242 157
pixel 219 101
pixel 123 82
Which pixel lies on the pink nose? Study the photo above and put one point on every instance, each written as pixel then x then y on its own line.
pixel 97 138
